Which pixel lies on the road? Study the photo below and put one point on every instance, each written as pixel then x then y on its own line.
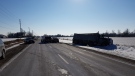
pixel 55 59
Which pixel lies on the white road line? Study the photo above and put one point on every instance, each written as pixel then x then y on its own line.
pixel 50 46
pixel 80 52
pixel 71 53
pixel 11 60
pixel 63 59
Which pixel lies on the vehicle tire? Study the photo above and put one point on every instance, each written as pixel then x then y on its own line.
pixel 111 42
pixel 90 43
pixel 3 55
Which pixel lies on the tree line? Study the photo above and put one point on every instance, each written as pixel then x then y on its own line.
pixel 19 34
pixel 125 33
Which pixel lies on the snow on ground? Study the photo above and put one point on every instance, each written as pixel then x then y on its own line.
pixel 122 50
pixel 9 39
pixel 63 71
pixel 13 46
pixel 129 41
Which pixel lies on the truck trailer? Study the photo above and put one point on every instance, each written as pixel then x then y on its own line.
pixel 91 39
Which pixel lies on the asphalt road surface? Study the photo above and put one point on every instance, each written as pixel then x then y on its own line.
pixel 55 59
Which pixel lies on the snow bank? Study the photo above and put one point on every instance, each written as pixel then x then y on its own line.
pixel 126 51
pixel 13 46
pixel 130 41
pixel 9 39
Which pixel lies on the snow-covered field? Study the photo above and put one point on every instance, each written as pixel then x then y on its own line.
pixel 123 47
pixel 129 41
pixel 9 39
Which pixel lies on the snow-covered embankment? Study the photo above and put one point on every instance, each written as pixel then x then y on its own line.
pixel 125 51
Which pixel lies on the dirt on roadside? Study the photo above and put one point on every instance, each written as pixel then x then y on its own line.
pixel 12 52
pixel 13 42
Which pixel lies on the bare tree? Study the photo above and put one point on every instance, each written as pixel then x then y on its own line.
pixel 126 33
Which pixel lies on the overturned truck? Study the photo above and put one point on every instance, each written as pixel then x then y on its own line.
pixel 92 39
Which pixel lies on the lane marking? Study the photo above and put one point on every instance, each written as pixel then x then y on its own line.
pixel 63 59
pixel 12 59
pixel 71 53
pixel 80 52
pixel 50 46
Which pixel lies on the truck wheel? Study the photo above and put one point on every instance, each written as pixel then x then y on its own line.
pixel 103 44
pixel 90 43
pixel 111 42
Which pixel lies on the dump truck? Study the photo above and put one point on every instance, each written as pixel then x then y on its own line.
pixel 91 39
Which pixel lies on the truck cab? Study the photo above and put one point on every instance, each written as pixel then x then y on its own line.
pixel 105 41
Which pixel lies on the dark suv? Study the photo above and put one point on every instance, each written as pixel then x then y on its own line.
pixel 29 40
pixel 48 39
pixel 55 40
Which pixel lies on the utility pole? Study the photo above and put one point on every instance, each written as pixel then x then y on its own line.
pixel 29 29
pixel 20 29
pixel 32 32
pixel 20 25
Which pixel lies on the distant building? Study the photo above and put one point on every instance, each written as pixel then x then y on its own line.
pixel 2 36
pixel 16 35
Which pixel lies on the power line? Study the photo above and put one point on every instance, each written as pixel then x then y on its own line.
pixel 4 15
pixel 7 28
pixel 10 15
pixel 8 12
pixel 4 23
pixel 7 24
pixel 7 15
pixel 35 33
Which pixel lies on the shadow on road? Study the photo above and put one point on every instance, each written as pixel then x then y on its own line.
pixel 109 47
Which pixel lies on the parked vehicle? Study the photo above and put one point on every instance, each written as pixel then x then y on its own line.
pixel 2 50
pixel 55 40
pixel 91 39
pixel 49 39
pixel 29 40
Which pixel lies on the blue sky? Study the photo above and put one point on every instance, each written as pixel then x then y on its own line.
pixel 67 16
